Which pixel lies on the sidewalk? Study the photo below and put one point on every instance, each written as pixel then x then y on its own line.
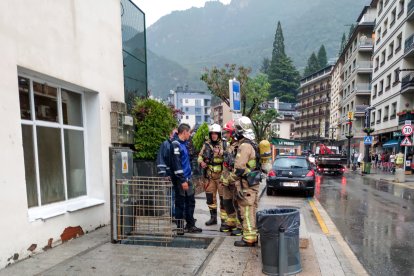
pixel 94 254
pixel 377 174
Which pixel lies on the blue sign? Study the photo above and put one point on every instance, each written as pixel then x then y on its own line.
pixel 368 140
pixel 235 103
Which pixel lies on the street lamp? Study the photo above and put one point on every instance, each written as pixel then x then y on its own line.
pixel 349 137
pixel 368 131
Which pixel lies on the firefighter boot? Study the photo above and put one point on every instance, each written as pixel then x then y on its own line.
pixel 225 228
pixel 213 218
pixel 243 243
pixel 236 232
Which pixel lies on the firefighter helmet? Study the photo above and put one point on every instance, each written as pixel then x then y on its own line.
pixel 215 128
pixel 244 127
pixel 229 127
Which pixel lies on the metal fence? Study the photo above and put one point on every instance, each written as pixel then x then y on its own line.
pixel 144 210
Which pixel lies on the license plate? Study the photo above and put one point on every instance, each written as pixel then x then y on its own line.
pixel 290 184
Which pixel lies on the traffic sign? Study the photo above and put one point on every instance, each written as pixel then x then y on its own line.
pixel 407 122
pixel 368 140
pixel 406 142
pixel 407 130
pixel 234 90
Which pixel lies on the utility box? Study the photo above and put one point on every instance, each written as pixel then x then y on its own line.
pixel 122 125
pixel 121 167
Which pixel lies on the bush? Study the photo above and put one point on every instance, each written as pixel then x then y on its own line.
pixel 200 137
pixel 154 122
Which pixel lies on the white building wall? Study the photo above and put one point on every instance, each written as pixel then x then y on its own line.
pixel 79 43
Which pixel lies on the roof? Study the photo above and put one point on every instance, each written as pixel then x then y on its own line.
pixel 317 72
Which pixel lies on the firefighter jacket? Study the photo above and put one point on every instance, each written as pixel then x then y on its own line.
pixel 229 160
pixel 246 164
pixel 212 154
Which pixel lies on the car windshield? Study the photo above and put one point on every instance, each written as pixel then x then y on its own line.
pixel 291 163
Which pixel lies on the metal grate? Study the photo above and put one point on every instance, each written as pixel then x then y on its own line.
pixel 144 211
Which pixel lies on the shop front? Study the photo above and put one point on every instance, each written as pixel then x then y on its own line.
pixel 282 146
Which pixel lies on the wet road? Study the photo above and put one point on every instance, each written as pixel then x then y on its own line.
pixel 375 218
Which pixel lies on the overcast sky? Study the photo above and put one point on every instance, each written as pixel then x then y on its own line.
pixel 154 9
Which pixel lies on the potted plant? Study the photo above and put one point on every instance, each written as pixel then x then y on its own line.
pixel 154 122
pixel 368 130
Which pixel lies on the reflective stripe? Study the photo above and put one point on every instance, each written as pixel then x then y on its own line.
pixel 246 215
pixel 161 166
pixel 179 171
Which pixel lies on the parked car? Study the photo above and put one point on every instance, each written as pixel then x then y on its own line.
pixel 291 173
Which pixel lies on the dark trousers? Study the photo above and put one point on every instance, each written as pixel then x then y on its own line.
pixel 184 207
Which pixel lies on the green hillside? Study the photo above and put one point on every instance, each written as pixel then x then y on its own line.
pixel 242 32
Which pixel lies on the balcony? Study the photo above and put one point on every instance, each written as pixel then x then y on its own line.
pixel 321 101
pixel 407 83
pixel 404 116
pixel 410 11
pixel 359 110
pixel 363 89
pixel 367 20
pixel 409 46
pixel 364 67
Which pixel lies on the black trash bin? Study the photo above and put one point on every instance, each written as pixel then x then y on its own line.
pixel 269 222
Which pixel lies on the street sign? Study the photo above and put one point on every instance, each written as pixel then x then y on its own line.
pixel 396 134
pixel 234 90
pixel 407 122
pixel 406 142
pixel 368 140
pixel 407 130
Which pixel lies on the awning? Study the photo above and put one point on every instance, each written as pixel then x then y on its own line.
pixel 390 144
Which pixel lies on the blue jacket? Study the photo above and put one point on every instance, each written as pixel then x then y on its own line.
pixel 180 162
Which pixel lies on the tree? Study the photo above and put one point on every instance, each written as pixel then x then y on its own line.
pixel 200 136
pixel 217 81
pixel 343 44
pixel 152 119
pixel 313 65
pixel 283 76
pixel 265 66
pixel 322 57
pixel 257 91
pixel 261 123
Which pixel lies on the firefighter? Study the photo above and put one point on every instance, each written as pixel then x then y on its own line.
pixel 247 176
pixel 229 188
pixel 211 160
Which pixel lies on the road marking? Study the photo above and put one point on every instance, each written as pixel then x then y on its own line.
pixel 318 217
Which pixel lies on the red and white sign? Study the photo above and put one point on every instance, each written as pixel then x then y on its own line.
pixel 407 130
pixel 406 142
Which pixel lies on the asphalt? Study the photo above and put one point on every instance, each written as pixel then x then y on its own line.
pixel 93 254
pixel 375 217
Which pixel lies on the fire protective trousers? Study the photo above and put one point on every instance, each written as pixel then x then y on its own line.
pixel 248 206
pixel 212 186
pixel 231 207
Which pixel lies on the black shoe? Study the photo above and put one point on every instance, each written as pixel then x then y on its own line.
pixel 213 218
pixel 243 243
pixel 236 232
pixel 194 229
pixel 224 228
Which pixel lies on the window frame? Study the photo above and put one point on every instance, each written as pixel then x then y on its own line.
pixel 34 123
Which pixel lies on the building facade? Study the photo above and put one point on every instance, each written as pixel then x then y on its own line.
pixel 314 102
pixel 336 90
pixel 196 105
pixel 355 90
pixel 392 82
pixel 62 67
pixel 221 114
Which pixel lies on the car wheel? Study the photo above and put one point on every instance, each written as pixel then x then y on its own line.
pixel 310 193
pixel 269 191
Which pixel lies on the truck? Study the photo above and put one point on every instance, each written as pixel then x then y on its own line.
pixel 329 160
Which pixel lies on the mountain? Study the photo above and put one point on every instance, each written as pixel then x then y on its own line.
pixel 242 33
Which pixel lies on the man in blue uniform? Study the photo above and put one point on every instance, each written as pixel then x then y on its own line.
pixel 181 176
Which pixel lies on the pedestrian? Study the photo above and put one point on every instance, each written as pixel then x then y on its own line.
pixel 181 175
pixel 233 222
pixel 392 161
pixel 360 159
pixel 164 158
pixel 246 175
pixel 211 160
pixel 386 161
pixel 399 160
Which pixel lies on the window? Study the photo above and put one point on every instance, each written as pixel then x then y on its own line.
pixel 391 50
pixel 393 110
pixel 53 142
pixel 376 63
pixel 400 8
pixel 375 92
pixel 187 117
pixel 381 87
pixel 199 121
pixel 386 113
pixel 198 102
pixel 385 27
pixel 379 35
pixel 378 116
pixel 396 76
pixel 393 16
pixel 388 82
pixel 187 109
pixel 186 101
pixel 354 64
pixel 399 43
pixel 373 118
pixel 380 7
pixel 197 110
pixel 383 55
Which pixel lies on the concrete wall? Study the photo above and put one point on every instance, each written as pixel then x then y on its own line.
pixel 77 43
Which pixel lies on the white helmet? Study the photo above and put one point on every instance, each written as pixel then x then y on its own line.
pixel 215 128
pixel 244 128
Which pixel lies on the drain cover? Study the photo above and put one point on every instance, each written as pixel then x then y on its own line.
pixel 180 242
